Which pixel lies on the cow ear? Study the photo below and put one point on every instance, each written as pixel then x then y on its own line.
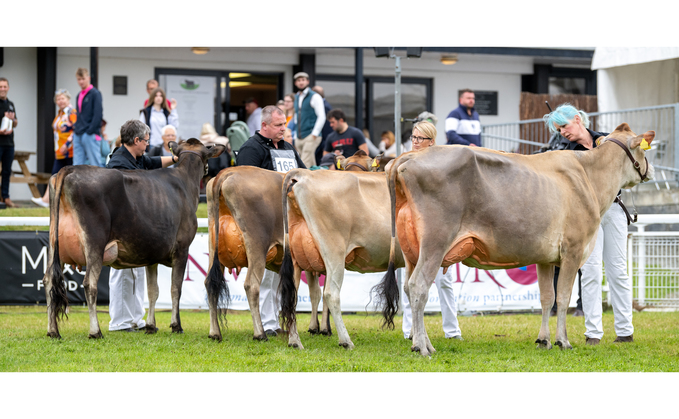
pixel 339 162
pixel 174 147
pixel 643 140
pixel 216 151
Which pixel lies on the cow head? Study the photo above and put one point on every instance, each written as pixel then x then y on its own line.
pixel 359 162
pixel 194 146
pixel 635 146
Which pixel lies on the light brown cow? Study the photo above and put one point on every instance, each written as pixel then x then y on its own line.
pixel 335 221
pixel 492 210
pixel 246 201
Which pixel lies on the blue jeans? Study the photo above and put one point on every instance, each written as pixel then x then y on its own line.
pixel 6 158
pixel 86 150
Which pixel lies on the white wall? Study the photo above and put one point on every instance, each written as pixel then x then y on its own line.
pixel 20 68
pixel 638 85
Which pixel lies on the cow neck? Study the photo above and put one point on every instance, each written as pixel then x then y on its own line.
pixel 193 170
pixel 604 171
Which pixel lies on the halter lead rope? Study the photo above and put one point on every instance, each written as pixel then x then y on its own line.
pixel 644 176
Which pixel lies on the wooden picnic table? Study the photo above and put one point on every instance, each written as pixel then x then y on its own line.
pixel 25 175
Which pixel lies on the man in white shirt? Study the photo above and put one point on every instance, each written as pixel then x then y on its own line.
pixel 309 119
pixel 254 113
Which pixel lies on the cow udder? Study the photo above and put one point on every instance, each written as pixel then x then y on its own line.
pixel 302 245
pixel 232 252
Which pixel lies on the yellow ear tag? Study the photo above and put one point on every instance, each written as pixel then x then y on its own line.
pixel 375 164
pixel 644 145
pixel 339 165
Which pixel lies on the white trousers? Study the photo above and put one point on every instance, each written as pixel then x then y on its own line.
pixel 444 284
pixel 269 305
pixel 611 248
pixel 126 298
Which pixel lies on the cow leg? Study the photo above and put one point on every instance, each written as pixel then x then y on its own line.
pixel 567 274
pixel 546 285
pixel 90 285
pixel 418 285
pixel 152 291
pixel 315 296
pixel 253 280
pixel 331 296
pixel 178 269
pixel 326 329
pixel 293 335
pixel 49 281
pixel 215 331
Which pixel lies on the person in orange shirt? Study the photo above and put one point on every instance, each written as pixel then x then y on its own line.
pixel 62 126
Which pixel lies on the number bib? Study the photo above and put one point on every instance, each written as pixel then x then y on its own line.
pixel 283 160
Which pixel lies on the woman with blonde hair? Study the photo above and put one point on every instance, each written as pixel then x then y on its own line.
pixel 388 144
pixel 423 137
pixel 62 127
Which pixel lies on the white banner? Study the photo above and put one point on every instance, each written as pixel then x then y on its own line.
pixel 195 102
pixel 475 290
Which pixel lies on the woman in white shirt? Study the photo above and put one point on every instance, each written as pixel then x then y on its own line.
pixel 157 114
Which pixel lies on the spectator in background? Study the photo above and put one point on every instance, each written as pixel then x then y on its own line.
pixel 287 137
pixel 254 113
pixel 388 144
pixel 462 125
pixel 151 85
pixel 289 105
pixel 86 148
pixel 209 137
pixel 8 111
pixel 309 119
pixel 62 129
pixel 372 148
pixel 169 133
pixel 157 115
pixel 327 129
pixel 345 138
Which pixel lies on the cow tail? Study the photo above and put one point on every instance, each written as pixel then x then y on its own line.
pixel 286 287
pixel 57 294
pixel 215 283
pixel 387 291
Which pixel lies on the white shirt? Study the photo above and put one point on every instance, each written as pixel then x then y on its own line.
pixel 255 121
pixel 158 122
pixel 316 104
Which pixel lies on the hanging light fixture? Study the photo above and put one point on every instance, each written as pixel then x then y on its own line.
pixel 200 50
pixel 449 59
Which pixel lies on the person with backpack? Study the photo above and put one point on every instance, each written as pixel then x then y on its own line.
pixel 158 114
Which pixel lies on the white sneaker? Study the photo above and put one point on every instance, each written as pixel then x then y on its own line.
pixel 40 202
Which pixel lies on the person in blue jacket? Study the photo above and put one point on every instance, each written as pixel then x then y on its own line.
pixel 462 124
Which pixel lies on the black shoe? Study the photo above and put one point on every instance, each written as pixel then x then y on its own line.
pixel 623 339
pixel 271 332
pixel 592 341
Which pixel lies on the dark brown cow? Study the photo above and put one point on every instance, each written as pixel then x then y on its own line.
pixel 124 219
pixel 493 210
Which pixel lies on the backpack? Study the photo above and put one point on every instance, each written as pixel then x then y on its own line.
pixel 238 133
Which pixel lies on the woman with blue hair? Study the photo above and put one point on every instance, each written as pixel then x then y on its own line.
pixel 611 240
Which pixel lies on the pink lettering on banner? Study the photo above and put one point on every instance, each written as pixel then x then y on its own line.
pixel 321 279
pixel 527 275
pixel 200 268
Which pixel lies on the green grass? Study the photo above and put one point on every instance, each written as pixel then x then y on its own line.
pixel 492 344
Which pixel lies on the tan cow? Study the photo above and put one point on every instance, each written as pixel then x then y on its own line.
pixel 335 221
pixel 246 201
pixel 492 210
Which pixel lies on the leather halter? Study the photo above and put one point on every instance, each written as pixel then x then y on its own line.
pixel 634 162
pixel 360 166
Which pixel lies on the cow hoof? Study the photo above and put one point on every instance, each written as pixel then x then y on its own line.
pixel 262 337
pixel 543 344
pixel 563 345
pixel 218 338
pixel 54 335
pixel 346 345
pixel 150 330
pixel 177 329
pixel 295 345
pixel 415 349
pixel 97 335
pixel 326 333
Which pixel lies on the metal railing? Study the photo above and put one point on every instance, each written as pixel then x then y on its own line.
pixel 528 137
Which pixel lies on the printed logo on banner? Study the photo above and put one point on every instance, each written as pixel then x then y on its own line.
pixel 189 85
pixel 526 275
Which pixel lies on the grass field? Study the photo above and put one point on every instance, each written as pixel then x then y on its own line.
pixel 498 343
